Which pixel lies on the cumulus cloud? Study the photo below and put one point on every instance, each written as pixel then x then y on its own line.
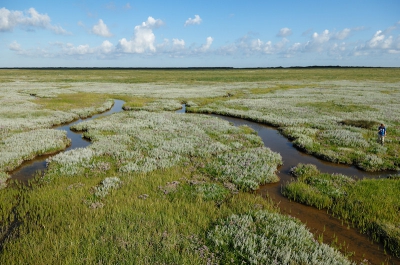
pixel 322 37
pixel 83 49
pixel 377 39
pixel 28 20
pixel 143 39
pixel 258 45
pixel 106 47
pixel 15 46
pixel 379 43
pixel 250 45
pixel 193 21
pixel 284 32
pixel 341 35
pixel 101 29
pixel 207 45
pixel 319 42
pixel 178 44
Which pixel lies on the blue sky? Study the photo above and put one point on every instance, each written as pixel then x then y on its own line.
pixel 216 33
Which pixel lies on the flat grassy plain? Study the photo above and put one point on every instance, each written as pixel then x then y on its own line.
pixel 150 191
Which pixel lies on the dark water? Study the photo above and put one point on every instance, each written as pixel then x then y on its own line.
pixel 28 169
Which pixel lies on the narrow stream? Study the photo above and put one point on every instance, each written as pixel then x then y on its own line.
pixel 28 168
pixel 318 221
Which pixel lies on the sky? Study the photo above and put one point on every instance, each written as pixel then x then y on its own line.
pixel 206 33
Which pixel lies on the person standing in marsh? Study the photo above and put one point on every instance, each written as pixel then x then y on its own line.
pixel 381 133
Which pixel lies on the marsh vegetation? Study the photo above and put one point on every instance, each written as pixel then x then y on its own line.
pixel 158 187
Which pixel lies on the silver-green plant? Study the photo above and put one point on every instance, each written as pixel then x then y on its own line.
pixel 26 145
pixel 269 238
pixel 144 141
pixel 106 185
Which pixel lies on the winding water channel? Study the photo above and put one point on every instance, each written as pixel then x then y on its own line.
pixel 318 221
pixel 28 168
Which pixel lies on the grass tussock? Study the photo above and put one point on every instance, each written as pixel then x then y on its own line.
pixel 366 124
pixel 66 102
pixel 371 205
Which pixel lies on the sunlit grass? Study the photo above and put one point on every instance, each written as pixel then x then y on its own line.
pixel 125 228
pixel 174 185
pixel 66 102
pixel 137 102
pixel 190 76
pixel 333 107
pixel 277 86
pixel 371 205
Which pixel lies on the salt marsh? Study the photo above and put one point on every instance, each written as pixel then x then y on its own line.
pixel 116 182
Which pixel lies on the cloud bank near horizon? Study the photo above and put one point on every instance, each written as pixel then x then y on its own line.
pixel 334 43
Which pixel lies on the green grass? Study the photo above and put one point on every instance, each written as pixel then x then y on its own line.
pixel 190 76
pixel 55 218
pixel 151 220
pixel 65 102
pixel 366 124
pixel 264 90
pixel 332 107
pixel 371 205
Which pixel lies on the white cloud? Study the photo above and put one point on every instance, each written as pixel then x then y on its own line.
pixel 294 49
pixel 377 39
pixel 319 42
pixel 207 45
pixel 70 49
pixel 101 29
pixel 106 47
pixel 143 39
pixel 321 38
pixel 380 41
pixel 30 19
pixel 127 6
pixel 15 46
pixel 284 32
pixel 341 35
pixel 193 21
pixel 178 44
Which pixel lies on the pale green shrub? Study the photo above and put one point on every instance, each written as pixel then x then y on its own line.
pixel 106 186
pixel 269 238
pixel 246 169
pixel 26 145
